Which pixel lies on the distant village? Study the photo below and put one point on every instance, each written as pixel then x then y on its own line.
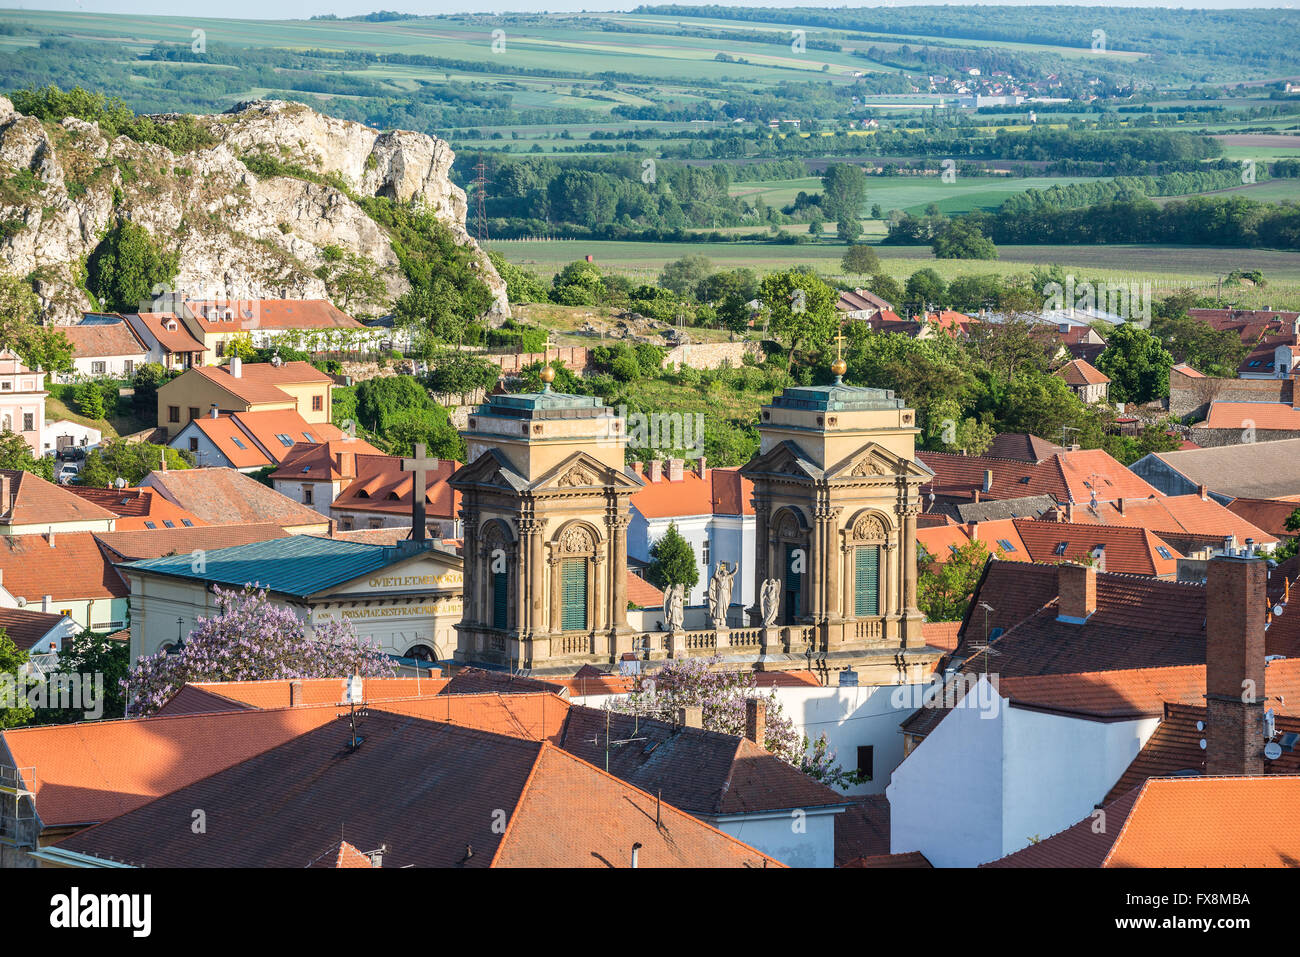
pixel 521 648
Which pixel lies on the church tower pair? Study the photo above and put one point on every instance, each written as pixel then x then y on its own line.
pixel 545 503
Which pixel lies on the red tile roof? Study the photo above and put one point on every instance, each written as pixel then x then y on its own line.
pixel 26 628
pixel 34 501
pixel 1134 551
pixel 1256 415
pixel 259 382
pixel 342 855
pixel 381 486
pixel 103 339
pixel 71 569
pixel 271 314
pixel 1174 748
pixel 1066 476
pixel 1267 514
pixel 1172 515
pixel 287 693
pixel 319 461
pixel 912 859
pixel 1181 822
pixel 222 496
pixel 172 334
pixel 93 771
pixel 721 492
pixel 136 506
pixel 1023 447
pixel 558 810
pixel 862 830
pixel 641 593
pixel 232 442
pixel 137 544
pixel 259 434
pixel 1079 372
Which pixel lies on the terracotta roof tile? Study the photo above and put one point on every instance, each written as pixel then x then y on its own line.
pixel 721 492
pixel 862 830
pixel 273 314
pixel 170 332
pixel 1079 373
pixel 1066 476
pixel 1023 447
pixel 103 339
pixel 70 569
pixel 138 544
pixel 382 486
pixel 259 382
pixel 34 501
pixel 136 506
pixel 1257 415
pixel 25 628
pixel 1269 515
pixel 640 592
pixel 1134 551
pixel 222 496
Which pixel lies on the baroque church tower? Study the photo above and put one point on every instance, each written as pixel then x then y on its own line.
pixel 544 499
pixel 836 494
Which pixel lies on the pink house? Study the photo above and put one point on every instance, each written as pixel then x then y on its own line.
pixel 22 400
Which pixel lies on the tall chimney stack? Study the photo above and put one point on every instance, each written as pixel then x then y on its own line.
pixel 656 470
pixel 1077 587
pixel 756 720
pixel 1236 605
pixel 236 367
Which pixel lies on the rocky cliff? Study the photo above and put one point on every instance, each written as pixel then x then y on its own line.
pixel 64 185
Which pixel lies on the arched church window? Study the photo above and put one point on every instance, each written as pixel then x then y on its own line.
pixel 500 598
pixel 573 594
pixel 866 580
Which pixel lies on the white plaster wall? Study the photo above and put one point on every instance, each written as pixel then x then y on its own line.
pixel 806 840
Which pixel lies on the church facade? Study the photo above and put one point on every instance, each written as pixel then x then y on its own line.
pixel 836 494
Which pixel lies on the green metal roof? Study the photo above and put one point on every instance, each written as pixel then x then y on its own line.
pixel 545 404
pixel 300 565
pixel 836 397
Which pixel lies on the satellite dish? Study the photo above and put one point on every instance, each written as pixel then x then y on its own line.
pixel 22 602
pixel 1277 610
pixel 1272 751
pixel 1200 726
pixel 1202 744
pixel 119 482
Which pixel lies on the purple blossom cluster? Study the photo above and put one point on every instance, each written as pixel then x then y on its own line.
pixel 721 696
pixel 251 639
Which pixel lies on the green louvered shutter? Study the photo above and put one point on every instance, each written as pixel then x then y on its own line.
pixel 793 586
pixel 573 594
pixel 866 581
pixel 500 599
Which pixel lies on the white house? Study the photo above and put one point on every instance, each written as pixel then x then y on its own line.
pixel 104 346
pixel 998 773
pixel 64 433
pixel 712 510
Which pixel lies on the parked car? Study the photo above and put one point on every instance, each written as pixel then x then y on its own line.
pixel 68 472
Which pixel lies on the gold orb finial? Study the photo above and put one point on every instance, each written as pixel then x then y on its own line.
pixel 839 367
pixel 548 374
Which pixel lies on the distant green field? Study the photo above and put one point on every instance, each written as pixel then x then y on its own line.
pixel 911 194
pixel 1166 267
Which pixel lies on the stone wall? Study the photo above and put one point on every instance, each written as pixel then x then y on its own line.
pixel 1214 438
pixel 1191 396
pixel 710 355
pixel 575 358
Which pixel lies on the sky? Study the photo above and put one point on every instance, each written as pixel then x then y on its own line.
pixel 302 9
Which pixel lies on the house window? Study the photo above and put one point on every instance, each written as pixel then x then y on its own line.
pixel 306 495
pixel 194 412
pixel 173 413
pixel 150 525
pixel 1164 552
pixel 500 598
pixel 376 523
pixel 704 552
pixel 168 523
pixel 66 611
pixel 866 761
pixel 221 348
pixel 98 368
pixel 238 443
pixel 1060 547
pixel 7 386
pixel 187 523
pixel 347 523
pixel 317 403
pixel 194 445
pixel 573 594
pixel 866 580
pixel 128 366
pixel 28 421
pixel 1005 545
pixel 284 440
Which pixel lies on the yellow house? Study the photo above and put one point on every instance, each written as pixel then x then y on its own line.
pixel 244 387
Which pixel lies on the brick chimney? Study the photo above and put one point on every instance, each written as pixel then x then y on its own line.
pixel 1119 505
pixel 1077 587
pixel 1069 511
pixel 636 467
pixel 236 367
pixel 700 468
pixel 1203 492
pixel 345 463
pixel 756 720
pixel 656 470
pixel 974 531
pixel 690 716
pixel 1236 605
pixel 675 469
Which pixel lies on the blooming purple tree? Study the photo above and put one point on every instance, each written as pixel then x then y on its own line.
pixel 721 695
pixel 251 639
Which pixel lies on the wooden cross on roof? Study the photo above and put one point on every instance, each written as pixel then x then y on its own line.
pixel 420 466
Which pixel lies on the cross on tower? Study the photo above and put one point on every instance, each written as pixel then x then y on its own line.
pixel 419 465
pixel 839 342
